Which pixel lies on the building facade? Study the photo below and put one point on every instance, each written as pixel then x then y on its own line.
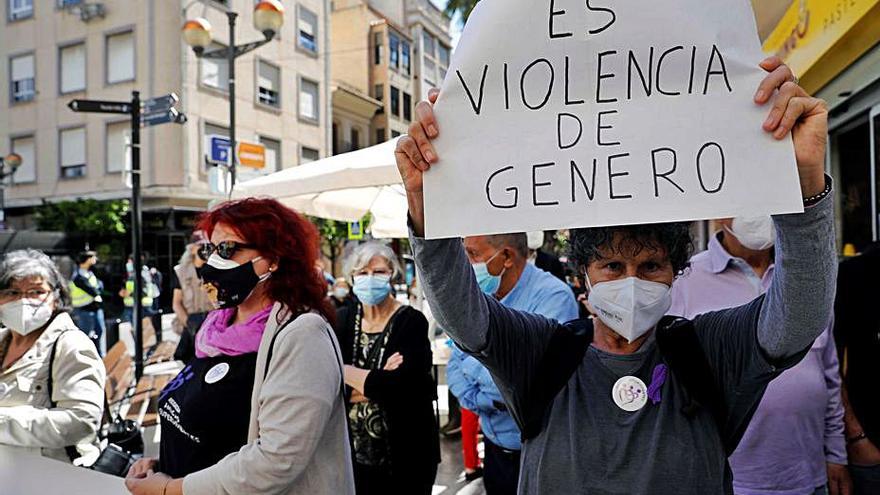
pixel 834 48
pixel 380 67
pixel 60 50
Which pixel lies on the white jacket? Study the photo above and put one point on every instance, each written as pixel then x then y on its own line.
pixel 298 436
pixel 27 420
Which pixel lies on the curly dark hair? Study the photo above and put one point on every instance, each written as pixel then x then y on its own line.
pixel 587 245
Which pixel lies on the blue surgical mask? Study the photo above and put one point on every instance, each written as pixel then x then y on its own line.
pixel 488 283
pixel 372 289
pixel 129 267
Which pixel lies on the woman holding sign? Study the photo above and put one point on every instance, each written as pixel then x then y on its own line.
pixel 632 402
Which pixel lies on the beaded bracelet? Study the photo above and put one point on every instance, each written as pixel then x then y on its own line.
pixel 812 200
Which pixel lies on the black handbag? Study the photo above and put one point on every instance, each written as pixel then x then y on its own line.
pixel 125 442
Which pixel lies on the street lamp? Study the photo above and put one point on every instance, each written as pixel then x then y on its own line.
pixel 13 161
pixel 268 18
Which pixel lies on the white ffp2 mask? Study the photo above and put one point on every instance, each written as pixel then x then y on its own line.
pixel 23 316
pixel 630 306
pixel 755 233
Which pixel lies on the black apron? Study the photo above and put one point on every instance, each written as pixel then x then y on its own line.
pixel 205 412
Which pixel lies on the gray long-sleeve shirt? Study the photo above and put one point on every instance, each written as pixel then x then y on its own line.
pixel 589 445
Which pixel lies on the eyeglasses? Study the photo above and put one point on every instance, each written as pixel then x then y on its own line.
pixel 14 294
pixel 225 249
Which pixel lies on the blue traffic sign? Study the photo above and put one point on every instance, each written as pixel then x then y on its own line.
pixel 159 103
pixel 218 150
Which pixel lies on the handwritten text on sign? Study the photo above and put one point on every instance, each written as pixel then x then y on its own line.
pixel 573 113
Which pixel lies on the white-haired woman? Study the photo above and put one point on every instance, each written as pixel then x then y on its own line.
pixel 387 359
pixel 51 378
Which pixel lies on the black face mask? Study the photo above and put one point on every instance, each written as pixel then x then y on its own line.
pixel 233 284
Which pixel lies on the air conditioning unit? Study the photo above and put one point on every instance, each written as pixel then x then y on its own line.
pixel 85 11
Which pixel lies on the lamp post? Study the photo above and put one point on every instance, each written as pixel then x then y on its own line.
pixel 268 18
pixel 13 161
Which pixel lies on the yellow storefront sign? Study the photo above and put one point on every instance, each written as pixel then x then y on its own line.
pixel 833 32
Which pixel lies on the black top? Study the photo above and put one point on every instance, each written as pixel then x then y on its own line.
pixel 405 394
pixel 550 264
pixel 857 332
pixel 205 412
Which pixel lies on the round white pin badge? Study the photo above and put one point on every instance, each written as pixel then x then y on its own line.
pixel 630 393
pixel 216 373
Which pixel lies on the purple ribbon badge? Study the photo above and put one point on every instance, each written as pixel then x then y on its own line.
pixel 657 381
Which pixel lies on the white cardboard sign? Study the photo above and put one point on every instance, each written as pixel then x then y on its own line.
pixel 578 113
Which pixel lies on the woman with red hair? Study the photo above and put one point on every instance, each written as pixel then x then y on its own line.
pixel 260 409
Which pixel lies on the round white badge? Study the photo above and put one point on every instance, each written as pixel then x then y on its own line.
pixel 630 393
pixel 216 373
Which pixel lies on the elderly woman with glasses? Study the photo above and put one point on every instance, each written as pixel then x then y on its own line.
pixel 385 347
pixel 51 378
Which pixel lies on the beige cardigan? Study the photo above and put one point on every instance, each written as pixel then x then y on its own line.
pixel 27 420
pixel 297 438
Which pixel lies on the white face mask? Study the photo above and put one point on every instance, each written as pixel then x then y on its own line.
pixel 631 306
pixel 755 233
pixel 23 316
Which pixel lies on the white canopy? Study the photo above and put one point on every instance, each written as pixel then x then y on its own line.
pixel 343 187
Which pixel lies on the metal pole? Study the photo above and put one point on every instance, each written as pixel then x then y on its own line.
pixel 138 313
pixel 230 62
pixel 2 195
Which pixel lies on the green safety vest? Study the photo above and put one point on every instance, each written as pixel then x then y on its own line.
pixel 146 301
pixel 80 298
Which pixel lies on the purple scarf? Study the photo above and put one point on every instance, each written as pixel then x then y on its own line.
pixel 218 337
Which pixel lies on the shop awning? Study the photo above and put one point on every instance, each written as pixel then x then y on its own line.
pixel 343 187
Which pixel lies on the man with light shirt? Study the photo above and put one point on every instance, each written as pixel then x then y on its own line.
pixel 795 442
pixel 501 266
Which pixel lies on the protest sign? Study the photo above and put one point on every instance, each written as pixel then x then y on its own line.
pixel 23 471
pixel 571 113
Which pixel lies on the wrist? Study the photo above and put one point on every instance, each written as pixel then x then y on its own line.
pixel 856 438
pixel 416 203
pixel 812 182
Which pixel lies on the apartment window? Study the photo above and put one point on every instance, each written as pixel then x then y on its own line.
pixel 395 101
pixel 120 57
pixel 393 50
pixel 355 139
pixel 214 70
pixel 308 100
pixel 405 57
pixel 20 9
pixel 377 48
pixel 268 84
pixel 73 152
pixel 407 107
pixel 307 155
pixel 116 149
pixel 428 42
pixel 380 135
pixel 22 84
pixel 73 68
pixel 273 154
pixel 379 92
pixel 308 30
pixel 430 72
pixel 26 147
pixel 443 54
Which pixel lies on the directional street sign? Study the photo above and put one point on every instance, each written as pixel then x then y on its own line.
pixel 99 106
pixel 160 117
pixel 160 103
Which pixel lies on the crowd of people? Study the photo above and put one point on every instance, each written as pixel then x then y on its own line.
pixel 649 369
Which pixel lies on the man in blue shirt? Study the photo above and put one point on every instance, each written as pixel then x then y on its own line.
pixel 502 269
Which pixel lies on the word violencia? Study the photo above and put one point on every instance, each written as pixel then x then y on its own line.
pixel 596 87
pixel 534 85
